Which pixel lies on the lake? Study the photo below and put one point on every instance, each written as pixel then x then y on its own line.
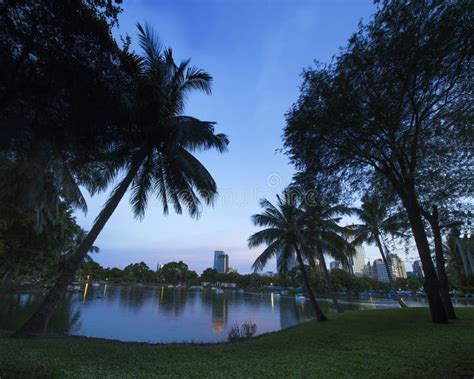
pixel 164 315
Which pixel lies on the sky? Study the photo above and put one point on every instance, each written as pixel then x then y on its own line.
pixel 256 51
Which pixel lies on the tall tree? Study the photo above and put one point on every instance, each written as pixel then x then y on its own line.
pixel 283 235
pixel 59 67
pixel 398 89
pixel 154 151
pixel 326 236
pixel 375 223
pixel 28 251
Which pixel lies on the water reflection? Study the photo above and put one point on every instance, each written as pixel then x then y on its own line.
pixel 160 314
pixel 16 308
pixel 219 312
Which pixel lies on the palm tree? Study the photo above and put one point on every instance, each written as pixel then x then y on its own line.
pixel 154 152
pixel 325 236
pixel 283 235
pixel 376 223
pixel 78 238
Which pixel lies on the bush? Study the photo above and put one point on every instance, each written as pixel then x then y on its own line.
pixel 246 331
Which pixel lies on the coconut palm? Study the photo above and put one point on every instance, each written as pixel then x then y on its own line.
pixel 376 223
pixel 283 235
pixel 78 238
pixel 325 236
pixel 154 152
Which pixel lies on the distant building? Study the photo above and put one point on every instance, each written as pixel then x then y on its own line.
pixel 417 269
pixel 355 264
pixel 397 267
pixel 290 265
pixel 159 266
pixel 334 265
pixel 221 261
pixel 369 271
pixel 381 271
pixel 357 261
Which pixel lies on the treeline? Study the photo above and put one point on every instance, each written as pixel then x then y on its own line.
pixel 177 273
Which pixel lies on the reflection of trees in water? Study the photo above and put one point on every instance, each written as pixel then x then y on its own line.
pixel 16 308
pixel 172 300
pixel 290 312
pixel 293 312
pixel 220 311
pixel 133 297
pixel 66 317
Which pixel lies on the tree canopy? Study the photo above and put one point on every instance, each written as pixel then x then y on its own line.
pixel 395 103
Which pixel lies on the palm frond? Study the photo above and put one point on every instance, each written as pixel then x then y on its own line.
pixel 266 255
pixel 141 188
pixel 195 135
pixel 150 43
pixel 266 236
pixel 197 79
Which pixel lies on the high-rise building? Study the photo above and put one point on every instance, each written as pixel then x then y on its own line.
pixel 354 265
pixel 221 261
pixel 381 271
pixel 290 265
pixel 369 271
pixel 397 267
pixel 357 261
pixel 418 269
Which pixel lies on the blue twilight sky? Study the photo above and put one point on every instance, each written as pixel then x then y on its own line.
pixel 256 51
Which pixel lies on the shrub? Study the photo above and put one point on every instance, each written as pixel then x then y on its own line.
pixel 239 333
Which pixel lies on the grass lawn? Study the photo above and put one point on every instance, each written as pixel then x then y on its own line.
pixel 378 343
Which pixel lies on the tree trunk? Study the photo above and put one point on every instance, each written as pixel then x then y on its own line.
pixel 440 264
pixel 317 310
pixel 36 323
pixel 389 272
pixel 329 281
pixel 5 276
pixel 438 313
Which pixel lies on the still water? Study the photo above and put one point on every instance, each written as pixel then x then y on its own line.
pixel 159 314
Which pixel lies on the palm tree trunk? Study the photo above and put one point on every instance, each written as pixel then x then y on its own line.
pixel 36 323
pixel 317 310
pixel 440 264
pixel 329 281
pixel 389 272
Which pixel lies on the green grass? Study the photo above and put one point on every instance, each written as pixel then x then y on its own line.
pixel 397 343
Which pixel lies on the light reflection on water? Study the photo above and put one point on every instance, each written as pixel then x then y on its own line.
pixel 159 314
